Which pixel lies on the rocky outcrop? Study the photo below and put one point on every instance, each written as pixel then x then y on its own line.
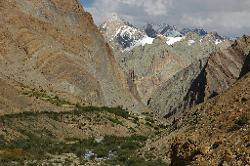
pixel 213 133
pixel 153 65
pixel 194 85
pixel 171 97
pixel 53 45
pixel 225 67
pixel 246 66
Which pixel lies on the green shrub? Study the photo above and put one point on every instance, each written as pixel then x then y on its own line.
pixel 114 120
pixel 118 111
pixel 242 120
pixel 42 94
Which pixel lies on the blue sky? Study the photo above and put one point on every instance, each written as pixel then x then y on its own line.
pixel 87 3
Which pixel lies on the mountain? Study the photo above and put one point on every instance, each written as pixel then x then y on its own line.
pixel 202 80
pixel 75 94
pixel 152 30
pixel 199 31
pixel 164 74
pixel 214 37
pixel 52 50
pixel 123 36
pixel 213 133
pixel 119 33
pixel 172 73
pixel 149 67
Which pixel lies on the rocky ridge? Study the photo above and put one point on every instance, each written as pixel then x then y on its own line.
pixel 196 67
pixel 54 46
pixel 214 75
pixel 120 33
pixel 124 36
pixel 213 133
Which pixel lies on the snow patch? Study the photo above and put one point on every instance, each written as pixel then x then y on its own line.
pixel 218 41
pixel 104 26
pixel 172 40
pixel 191 42
pixel 145 40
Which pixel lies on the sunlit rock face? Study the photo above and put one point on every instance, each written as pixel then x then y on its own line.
pixel 54 45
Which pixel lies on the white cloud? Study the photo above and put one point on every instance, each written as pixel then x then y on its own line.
pixel 228 17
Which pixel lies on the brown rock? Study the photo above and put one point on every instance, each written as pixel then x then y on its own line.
pixel 54 45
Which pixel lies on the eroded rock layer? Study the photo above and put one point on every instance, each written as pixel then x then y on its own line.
pixel 194 85
pixel 53 45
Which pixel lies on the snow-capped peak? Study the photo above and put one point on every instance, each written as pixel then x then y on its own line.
pixel 213 37
pixel 120 32
pixel 124 36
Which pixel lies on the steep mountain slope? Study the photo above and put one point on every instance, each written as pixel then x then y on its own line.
pixel 213 133
pixel 172 73
pixel 170 97
pixel 149 67
pixel 224 67
pixel 196 83
pixel 246 66
pixel 54 46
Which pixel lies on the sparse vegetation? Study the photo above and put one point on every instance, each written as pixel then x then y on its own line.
pixel 43 95
pixel 242 120
pixel 39 144
pixel 118 111
pixel 114 120
pixel 115 150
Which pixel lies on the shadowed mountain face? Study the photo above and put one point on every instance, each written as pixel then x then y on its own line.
pixel 170 74
pixel 194 85
pixel 212 133
pixel 246 67
pixel 53 45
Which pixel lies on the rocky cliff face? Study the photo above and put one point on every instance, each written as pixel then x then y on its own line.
pixel 54 46
pixel 224 67
pixel 194 84
pixel 170 97
pixel 153 65
pixel 172 74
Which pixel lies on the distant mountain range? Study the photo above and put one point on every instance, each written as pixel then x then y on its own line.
pixel 122 34
pixel 165 65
